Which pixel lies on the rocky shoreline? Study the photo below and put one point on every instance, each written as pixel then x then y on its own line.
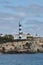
pixel 12 48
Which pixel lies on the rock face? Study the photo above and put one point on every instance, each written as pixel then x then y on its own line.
pixel 20 47
pixel 29 44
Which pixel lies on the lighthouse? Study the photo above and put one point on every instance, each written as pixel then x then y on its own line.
pixel 20 31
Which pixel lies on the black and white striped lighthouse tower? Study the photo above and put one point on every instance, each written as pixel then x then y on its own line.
pixel 20 31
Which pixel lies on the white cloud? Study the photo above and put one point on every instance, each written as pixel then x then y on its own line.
pixel 32 8
pixel 9 17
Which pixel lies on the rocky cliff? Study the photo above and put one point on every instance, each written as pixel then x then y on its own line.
pixel 12 47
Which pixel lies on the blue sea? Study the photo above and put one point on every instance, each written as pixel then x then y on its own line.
pixel 21 59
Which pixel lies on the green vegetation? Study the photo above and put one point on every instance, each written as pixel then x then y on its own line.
pixel 30 38
pixel 6 38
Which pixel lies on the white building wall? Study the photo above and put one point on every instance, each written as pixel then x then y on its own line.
pixel 16 36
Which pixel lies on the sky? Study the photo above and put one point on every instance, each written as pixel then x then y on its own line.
pixel 28 12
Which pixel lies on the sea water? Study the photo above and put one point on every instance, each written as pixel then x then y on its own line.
pixel 21 59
